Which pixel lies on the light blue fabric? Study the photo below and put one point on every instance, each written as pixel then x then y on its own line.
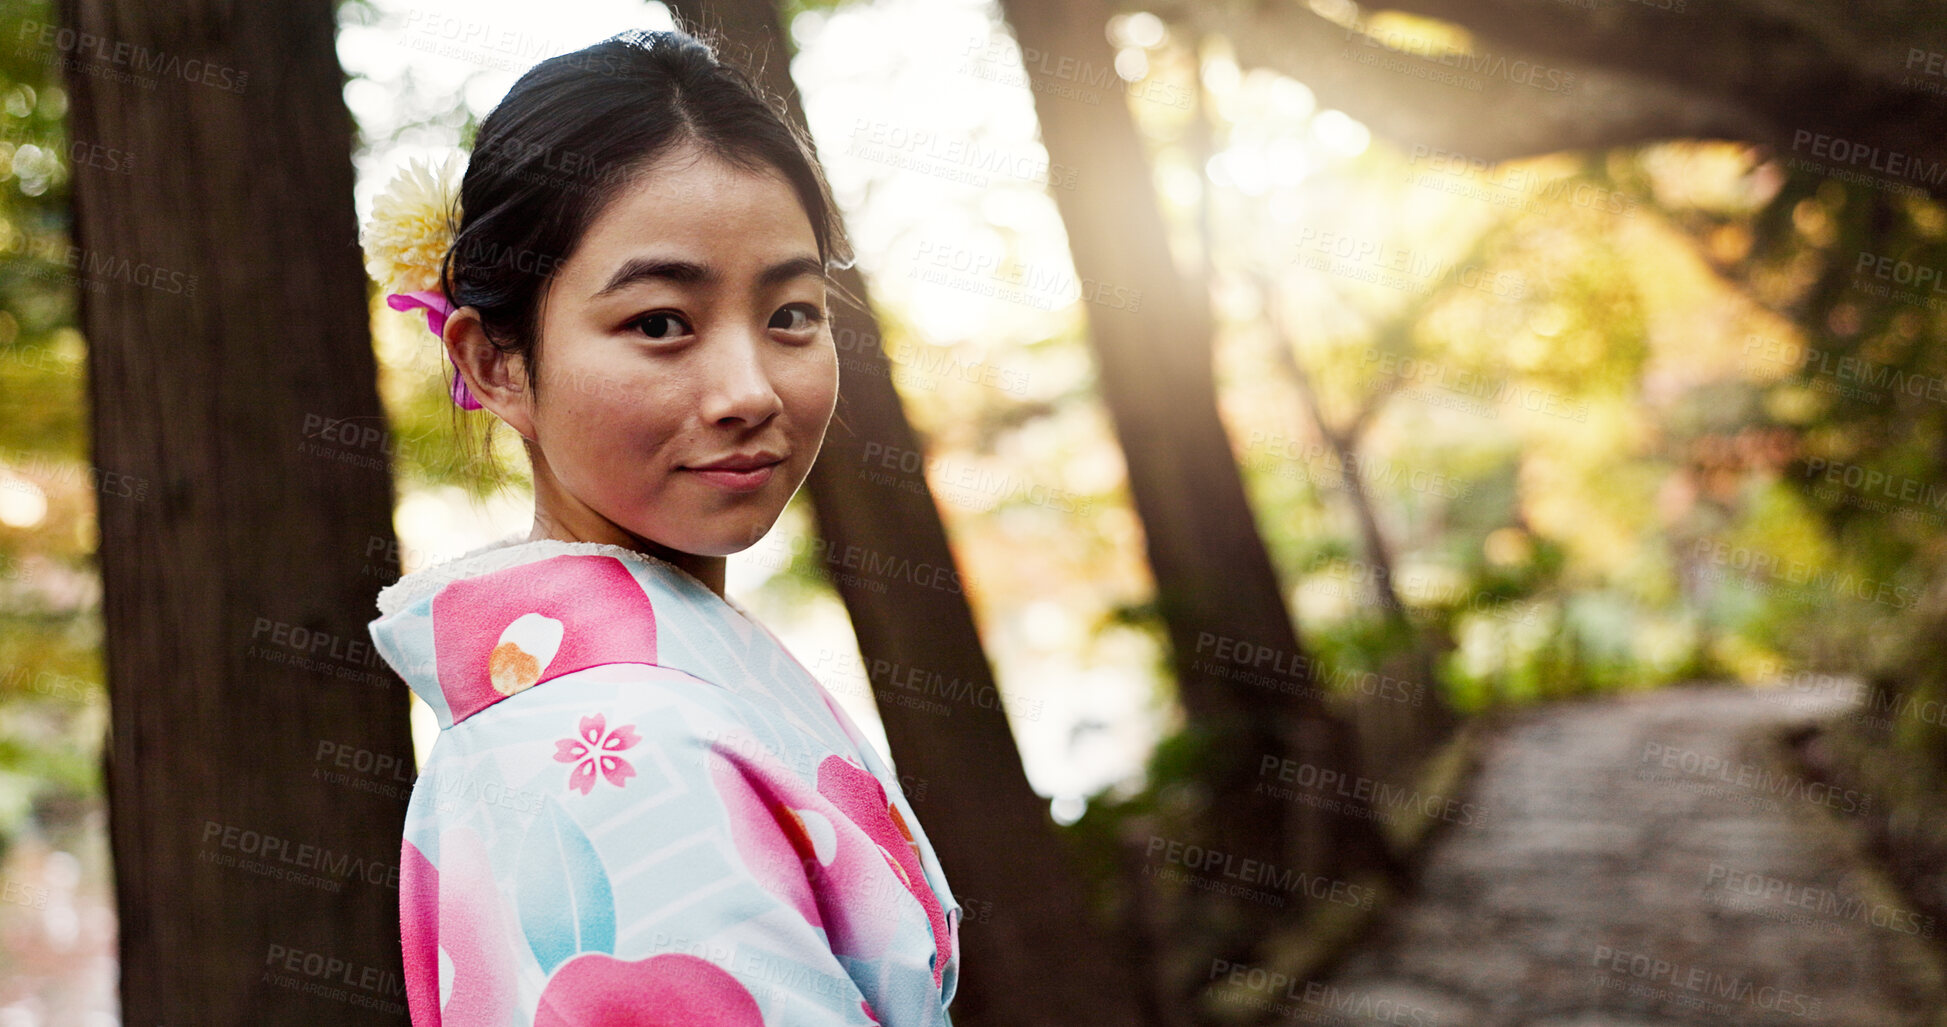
pixel 712 803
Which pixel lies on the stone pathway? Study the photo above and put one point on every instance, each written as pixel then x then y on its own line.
pixel 1649 860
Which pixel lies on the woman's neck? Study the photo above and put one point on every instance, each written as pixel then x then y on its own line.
pixel 583 525
pixel 559 516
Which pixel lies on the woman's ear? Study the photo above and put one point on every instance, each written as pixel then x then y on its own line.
pixel 498 380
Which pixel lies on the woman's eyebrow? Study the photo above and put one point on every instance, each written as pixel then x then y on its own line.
pixel 689 272
pixel 644 269
pixel 800 266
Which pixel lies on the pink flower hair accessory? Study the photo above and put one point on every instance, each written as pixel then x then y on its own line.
pixel 437 310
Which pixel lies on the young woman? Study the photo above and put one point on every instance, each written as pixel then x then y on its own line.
pixel 641 809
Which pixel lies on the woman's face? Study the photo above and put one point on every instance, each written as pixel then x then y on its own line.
pixel 686 368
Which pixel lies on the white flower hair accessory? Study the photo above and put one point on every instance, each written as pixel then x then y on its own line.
pixel 412 226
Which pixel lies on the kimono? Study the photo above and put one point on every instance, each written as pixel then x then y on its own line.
pixel 642 809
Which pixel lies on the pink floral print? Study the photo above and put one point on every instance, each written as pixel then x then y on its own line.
pixel 666 990
pixel 591 752
pixel 824 849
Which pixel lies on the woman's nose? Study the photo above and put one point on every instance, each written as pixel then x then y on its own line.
pixel 740 384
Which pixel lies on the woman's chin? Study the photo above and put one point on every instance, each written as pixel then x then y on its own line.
pixel 741 535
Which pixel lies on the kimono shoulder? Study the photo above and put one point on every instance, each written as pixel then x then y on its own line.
pixel 641 804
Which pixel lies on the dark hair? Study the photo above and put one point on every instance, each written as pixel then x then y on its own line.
pixel 571 133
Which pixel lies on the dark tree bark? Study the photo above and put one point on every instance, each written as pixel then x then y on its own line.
pixel 1035 956
pixel 1243 678
pixel 233 387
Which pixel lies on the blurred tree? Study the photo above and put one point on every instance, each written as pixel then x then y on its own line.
pixel 1217 592
pixel 993 832
pixel 1411 733
pixel 231 371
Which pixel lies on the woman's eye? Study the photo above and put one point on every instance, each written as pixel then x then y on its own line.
pixel 655 325
pixel 810 317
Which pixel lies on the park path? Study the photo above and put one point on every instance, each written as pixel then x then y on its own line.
pixel 1647 860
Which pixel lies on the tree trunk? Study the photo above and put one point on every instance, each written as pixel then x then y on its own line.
pixel 1032 953
pixel 1243 678
pixel 243 471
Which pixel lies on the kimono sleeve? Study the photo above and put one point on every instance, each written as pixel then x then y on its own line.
pixel 682 872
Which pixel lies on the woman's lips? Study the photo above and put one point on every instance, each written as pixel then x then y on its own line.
pixel 736 481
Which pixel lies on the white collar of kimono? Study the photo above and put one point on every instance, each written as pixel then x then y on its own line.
pixel 511 551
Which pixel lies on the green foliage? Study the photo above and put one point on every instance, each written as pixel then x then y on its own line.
pixel 52 702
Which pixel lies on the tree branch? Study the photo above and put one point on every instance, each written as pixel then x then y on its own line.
pixel 1551 75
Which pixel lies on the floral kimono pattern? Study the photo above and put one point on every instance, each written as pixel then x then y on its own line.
pixel 642 810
